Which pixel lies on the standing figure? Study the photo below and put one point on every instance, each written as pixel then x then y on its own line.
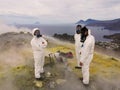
pixel 78 43
pixel 86 53
pixel 38 44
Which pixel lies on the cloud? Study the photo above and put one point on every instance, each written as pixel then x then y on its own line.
pixel 5 28
pixel 62 10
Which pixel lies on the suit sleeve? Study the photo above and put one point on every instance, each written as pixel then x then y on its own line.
pixel 43 43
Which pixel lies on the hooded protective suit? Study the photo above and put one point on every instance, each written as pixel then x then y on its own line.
pixel 86 56
pixel 78 45
pixel 38 46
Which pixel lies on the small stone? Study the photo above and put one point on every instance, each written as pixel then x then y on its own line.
pixel 52 84
pixel 38 84
pixel 48 74
pixel 60 81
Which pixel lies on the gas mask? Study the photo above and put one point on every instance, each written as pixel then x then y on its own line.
pixel 83 38
pixel 78 31
pixel 38 35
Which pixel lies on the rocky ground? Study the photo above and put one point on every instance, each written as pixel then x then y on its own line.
pixel 17 71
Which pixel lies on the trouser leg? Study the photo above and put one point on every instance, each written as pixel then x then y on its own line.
pixel 42 63
pixel 78 57
pixel 37 67
pixel 78 60
pixel 85 73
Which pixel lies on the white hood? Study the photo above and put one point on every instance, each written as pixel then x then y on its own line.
pixel 33 31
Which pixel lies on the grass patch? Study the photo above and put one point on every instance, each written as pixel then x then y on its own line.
pixel 23 77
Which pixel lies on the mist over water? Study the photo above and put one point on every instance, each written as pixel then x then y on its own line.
pixel 4 28
pixel 50 30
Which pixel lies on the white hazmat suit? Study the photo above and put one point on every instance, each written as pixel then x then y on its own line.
pixel 78 45
pixel 86 56
pixel 38 46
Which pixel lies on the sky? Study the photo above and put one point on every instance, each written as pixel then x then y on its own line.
pixel 62 11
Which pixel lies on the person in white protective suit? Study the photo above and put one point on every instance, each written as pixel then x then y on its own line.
pixel 38 44
pixel 78 44
pixel 86 53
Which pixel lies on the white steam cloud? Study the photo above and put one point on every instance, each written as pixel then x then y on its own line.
pixel 6 28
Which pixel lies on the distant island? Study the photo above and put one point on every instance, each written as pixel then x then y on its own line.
pixel 64 37
pixel 107 24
